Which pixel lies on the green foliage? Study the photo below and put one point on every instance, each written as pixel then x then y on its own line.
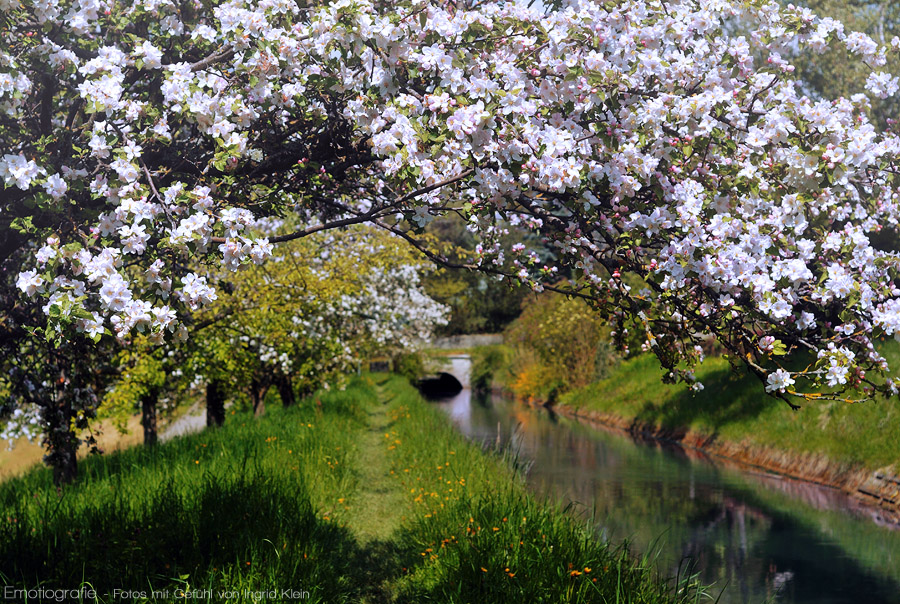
pixel 300 319
pixel 479 303
pixel 487 363
pixel 734 406
pixel 410 365
pixel 142 371
pixel 296 304
pixel 559 344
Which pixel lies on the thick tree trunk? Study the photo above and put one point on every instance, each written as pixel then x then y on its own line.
pixel 215 403
pixel 258 391
pixel 65 466
pixel 285 390
pixel 60 440
pixel 148 416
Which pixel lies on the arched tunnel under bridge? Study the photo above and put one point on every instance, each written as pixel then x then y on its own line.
pixel 453 378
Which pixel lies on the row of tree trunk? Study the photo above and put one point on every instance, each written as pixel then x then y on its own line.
pixel 216 396
pixel 62 443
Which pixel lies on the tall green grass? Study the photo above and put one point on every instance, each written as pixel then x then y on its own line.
pixel 480 537
pixel 289 501
pixel 243 507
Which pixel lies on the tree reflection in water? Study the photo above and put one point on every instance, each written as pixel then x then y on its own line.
pixel 757 536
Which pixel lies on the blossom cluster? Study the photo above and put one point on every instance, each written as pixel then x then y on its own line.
pixel 639 137
pixel 320 308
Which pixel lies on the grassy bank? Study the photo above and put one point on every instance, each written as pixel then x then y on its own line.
pixel 243 507
pixel 481 538
pixel 733 406
pixel 365 495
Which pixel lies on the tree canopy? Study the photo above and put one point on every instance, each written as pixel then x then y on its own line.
pixel 641 138
pixel 829 74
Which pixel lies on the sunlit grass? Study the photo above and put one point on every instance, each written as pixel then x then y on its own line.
pixel 366 495
pixel 735 407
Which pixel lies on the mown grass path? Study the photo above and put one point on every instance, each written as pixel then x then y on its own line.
pixel 365 495
pixel 373 513
pixel 375 516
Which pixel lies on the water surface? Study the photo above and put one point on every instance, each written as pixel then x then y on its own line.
pixel 756 537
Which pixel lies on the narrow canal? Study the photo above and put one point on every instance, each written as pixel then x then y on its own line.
pixel 755 537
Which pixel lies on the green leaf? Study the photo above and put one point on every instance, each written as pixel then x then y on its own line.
pixel 81 313
pixel 779 349
pixel 23 224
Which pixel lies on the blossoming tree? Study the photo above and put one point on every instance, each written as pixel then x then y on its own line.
pixel 638 137
pixel 317 309
pixel 48 391
pixel 829 73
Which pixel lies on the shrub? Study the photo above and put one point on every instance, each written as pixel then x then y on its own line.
pixel 558 344
pixel 487 363
pixel 410 365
